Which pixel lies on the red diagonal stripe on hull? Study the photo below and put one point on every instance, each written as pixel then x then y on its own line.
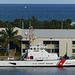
pixel 61 62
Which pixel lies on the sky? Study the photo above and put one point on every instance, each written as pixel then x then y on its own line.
pixel 37 1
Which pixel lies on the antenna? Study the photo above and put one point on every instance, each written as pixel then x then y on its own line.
pixel 31 35
pixel 31 32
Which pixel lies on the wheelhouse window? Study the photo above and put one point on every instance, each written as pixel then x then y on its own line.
pixel 48 50
pixel 31 48
pixel 55 50
pixel 34 48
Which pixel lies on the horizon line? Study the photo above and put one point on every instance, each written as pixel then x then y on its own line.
pixel 25 3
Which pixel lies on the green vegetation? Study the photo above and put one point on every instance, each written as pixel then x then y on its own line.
pixel 9 35
pixel 2 52
pixel 18 53
pixel 53 24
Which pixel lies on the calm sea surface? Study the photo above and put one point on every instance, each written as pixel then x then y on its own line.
pixel 41 11
pixel 37 71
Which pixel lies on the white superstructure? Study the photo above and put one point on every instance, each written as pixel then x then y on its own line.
pixel 40 53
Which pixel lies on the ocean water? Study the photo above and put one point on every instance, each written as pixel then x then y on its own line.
pixel 37 71
pixel 42 11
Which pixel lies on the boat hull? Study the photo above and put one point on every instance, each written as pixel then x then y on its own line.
pixel 51 63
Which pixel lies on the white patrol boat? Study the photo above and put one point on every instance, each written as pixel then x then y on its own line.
pixel 37 56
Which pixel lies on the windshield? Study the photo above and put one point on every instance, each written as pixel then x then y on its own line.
pixel 48 50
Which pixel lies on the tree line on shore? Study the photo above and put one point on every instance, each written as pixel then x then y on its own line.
pixel 53 24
